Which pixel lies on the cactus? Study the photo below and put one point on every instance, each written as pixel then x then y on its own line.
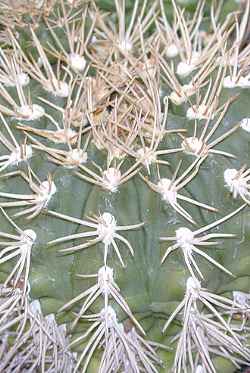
pixel 124 186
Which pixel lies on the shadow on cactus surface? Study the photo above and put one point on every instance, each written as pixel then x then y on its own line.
pixel 124 186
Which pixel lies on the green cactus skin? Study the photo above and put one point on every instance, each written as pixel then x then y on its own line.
pixel 93 126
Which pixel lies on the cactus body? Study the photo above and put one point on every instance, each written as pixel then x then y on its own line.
pixel 124 188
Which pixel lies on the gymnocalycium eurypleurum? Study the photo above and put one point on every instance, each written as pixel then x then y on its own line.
pixel 124 186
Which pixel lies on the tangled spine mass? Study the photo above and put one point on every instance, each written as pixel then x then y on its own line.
pixel 118 134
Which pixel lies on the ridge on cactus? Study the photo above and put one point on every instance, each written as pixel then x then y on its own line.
pixel 124 186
